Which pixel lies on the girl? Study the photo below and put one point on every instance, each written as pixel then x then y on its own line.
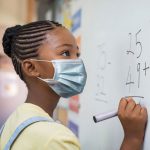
pixel 46 57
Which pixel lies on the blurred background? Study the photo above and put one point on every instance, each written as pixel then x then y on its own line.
pixel 13 91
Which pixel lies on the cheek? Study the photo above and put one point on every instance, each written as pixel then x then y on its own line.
pixel 47 71
pixel 52 70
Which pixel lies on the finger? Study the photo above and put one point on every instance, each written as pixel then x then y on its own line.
pixel 122 105
pixel 130 106
pixel 128 99
pixel 137 109
pixel 144 112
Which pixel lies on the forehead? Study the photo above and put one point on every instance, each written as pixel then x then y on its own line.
pixel 59 36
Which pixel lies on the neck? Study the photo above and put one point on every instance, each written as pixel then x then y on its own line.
pixel 43 97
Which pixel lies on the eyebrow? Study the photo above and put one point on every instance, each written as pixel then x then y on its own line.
pixel 70 45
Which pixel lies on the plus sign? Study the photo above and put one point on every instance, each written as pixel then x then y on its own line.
pixel 146 68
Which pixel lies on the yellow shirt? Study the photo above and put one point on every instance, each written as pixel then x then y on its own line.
pixel 40 135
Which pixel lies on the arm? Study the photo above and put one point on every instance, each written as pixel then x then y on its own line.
pixel 133 119
pixel 131 144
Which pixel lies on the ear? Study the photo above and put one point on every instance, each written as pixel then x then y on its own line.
pixel 30 68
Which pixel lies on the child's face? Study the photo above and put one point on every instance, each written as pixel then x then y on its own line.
pixel 59 44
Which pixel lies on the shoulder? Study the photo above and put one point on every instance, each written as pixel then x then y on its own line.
pixel 54 135
pixel 49 129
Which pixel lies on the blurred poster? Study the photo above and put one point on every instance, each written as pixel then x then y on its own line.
pixel 74 127
pixel 76 18
pixel 67 14
pixel 62 115
pixel 74 104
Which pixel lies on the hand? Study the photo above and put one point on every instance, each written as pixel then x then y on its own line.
pixel 133 118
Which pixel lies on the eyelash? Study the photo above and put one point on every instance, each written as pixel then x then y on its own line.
pixel 68 54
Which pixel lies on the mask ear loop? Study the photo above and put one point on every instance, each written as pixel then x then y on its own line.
pixel 53 79
pixel 40 60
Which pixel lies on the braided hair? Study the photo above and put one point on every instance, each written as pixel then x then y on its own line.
pixel 22 42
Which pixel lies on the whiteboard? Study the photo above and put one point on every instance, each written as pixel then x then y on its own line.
pixel 116 51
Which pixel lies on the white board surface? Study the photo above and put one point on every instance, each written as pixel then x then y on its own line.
pixel 116 52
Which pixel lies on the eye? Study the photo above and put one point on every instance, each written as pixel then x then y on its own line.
pixel 66 53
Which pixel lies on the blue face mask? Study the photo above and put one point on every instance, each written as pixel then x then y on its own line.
pixel 69 77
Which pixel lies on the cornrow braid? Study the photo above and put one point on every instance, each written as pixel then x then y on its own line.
pixel 22 42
